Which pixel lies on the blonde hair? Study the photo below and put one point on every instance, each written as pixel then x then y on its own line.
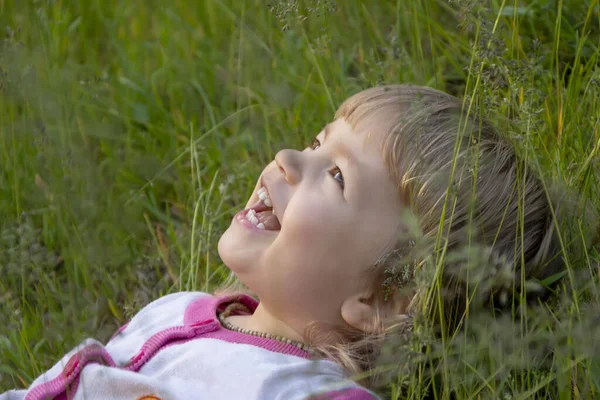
pixel 456 174
pixel 465 185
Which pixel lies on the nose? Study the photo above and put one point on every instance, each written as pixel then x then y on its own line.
pixel 289 164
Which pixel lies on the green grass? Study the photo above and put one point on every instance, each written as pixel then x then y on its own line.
pixel 131 132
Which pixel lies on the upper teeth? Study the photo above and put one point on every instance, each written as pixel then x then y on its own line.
pixel 264 196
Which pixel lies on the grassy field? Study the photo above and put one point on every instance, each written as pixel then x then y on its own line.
pixel 132 131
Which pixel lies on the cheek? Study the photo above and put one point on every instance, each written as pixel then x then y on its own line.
pixel 316 220
pixel 323 236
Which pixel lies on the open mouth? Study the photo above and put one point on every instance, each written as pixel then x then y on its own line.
pixel 261 214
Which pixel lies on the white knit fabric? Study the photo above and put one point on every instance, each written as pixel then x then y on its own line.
pixel 200 368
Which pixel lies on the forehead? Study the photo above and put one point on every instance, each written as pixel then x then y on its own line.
pixel 364 138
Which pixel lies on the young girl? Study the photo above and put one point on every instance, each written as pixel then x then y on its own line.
pixel 323 242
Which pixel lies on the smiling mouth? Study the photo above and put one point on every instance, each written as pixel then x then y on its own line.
pixel 261 214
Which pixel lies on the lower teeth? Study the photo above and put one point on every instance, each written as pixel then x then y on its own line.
pixel 254 219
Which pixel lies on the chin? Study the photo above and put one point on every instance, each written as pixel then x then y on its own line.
pixel 226 248
pixel 237 257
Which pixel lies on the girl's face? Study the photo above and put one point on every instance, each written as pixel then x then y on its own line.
pixel 336 209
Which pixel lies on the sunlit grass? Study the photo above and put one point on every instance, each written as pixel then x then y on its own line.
pixel 131 132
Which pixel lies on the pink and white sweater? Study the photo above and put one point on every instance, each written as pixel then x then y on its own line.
pixel 176 348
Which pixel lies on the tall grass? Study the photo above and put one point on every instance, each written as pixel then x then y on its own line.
pixel 131 132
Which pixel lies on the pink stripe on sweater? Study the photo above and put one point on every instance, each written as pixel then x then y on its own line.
pixel 70 374
pixel 162 338
pixel 207 308
pixel 68 380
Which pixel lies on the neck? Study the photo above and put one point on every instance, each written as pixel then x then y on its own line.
pixel 263 321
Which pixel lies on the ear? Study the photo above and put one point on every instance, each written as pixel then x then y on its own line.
pixel 359 314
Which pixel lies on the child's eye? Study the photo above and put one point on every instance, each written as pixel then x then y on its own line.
pixel 315 144
pixel 335 171
pixel 337 175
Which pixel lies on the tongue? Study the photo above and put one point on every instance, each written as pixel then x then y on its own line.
pixel 269 220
